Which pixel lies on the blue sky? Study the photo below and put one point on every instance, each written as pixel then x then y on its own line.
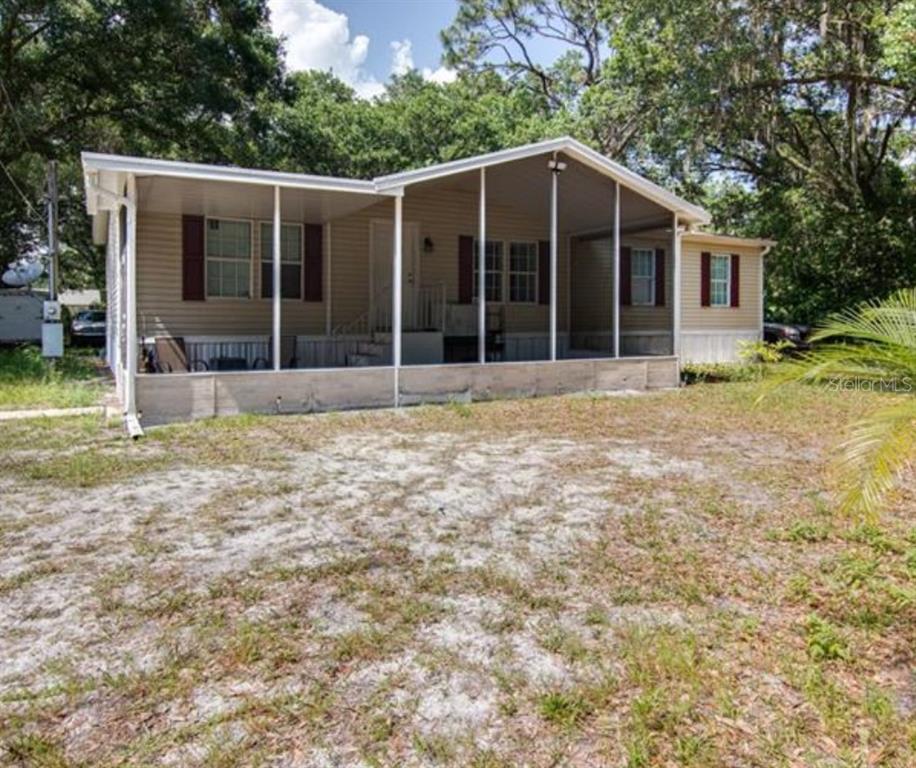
pixel 364 41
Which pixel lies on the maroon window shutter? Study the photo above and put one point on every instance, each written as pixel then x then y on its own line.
pixel 192 258
pixel 705 278
pixel 659 277
pixel 736 279
pixel 626 276
pixel 544 272
pixel 465 269
pixel 313 262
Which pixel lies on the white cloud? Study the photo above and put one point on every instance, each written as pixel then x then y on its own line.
pixel 401 57
pixel 441 75
pixel 402 63
pixel 317 37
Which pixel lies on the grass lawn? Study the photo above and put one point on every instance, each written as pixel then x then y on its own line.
pixel 643 581
pixel 29 381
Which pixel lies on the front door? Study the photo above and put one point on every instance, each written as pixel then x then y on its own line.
pixel 381 267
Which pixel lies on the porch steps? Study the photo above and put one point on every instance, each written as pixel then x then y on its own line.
pixel 369 353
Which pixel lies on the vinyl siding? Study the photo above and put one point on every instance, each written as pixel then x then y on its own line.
pixel 746 316
pixel 163 312
pixel 593 288
pixel 442 216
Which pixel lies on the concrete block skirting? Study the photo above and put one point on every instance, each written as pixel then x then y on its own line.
pixel 165 398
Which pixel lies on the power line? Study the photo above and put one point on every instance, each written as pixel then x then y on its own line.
pixel 28 203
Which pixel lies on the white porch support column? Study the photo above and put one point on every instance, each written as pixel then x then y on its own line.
pixel 328 304
pixel 482 270
pixel 396 296
pixel 616 257
pixel 276 280
pixel 133 342
pixel 676 297
pixel 554 183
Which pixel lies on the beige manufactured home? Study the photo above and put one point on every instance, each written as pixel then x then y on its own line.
pixel 540 269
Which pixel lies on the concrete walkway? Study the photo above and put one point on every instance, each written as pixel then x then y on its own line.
pixel 43 413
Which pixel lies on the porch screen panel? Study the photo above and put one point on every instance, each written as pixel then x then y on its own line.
pixel 290 261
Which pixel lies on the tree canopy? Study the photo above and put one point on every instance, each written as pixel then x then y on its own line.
pixel 792 120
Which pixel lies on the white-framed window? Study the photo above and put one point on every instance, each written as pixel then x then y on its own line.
pixel 493 253
pixel 642 276
pixel 523 272
pixel 228 251
pixel 720 279
pixel 290 260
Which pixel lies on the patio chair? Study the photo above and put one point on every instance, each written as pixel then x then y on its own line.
pixel 170 356
pixel 287 352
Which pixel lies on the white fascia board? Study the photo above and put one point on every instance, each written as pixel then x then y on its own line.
pixel 726 240
pixel 142 166
pixel 468 164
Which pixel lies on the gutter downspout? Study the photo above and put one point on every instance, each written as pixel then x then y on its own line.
pixel 131 421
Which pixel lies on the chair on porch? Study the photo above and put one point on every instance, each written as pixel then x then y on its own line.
pixel 287 353
pixel 169 355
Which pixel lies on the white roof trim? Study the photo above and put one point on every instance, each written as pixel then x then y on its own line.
pixel 143 166
pixel 712 237
pixel 567 145
pixel 394 184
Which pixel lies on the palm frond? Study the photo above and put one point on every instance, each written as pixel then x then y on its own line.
pixel 878 451
pixel 875 343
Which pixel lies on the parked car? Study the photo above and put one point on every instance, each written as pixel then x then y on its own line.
pixel 796 334
pixel 88 327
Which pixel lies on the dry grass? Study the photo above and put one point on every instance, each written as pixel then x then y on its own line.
pixel 645 581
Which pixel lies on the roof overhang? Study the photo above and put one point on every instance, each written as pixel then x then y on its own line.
pixel 575 149
pixel 99 168
pixel 728 240
pixel 106 173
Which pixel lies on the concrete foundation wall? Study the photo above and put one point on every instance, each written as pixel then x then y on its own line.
pixel 441 383
pixel 163 398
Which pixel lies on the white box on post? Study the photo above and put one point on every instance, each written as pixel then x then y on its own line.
pixel 52 340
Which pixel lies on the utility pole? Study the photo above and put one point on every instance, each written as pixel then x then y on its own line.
pixel 53 244
pixel 52 332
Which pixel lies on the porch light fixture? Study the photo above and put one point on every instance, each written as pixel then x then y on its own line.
pixel 557 166
pixel 427 245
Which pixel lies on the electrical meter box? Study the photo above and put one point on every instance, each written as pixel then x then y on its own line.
pixel 52 312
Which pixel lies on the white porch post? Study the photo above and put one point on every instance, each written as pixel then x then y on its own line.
pixel 554 181
pixel 276 280
pixel 130 393
pixel 616 256
pixel 396 296
pixel 482 270
pixel 676 298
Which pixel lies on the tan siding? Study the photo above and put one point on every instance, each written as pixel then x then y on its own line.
pixel 162 310
pixel 442 216
pixel 746 316
pixel 593 288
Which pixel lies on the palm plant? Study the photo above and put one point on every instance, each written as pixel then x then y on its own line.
pixel 872 345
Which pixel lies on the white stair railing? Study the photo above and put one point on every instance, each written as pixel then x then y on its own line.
pixel 430 314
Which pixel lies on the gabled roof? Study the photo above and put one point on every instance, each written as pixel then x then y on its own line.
pixel 393 184
pixel 568 146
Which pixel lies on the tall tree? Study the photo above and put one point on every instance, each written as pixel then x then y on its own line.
pixel 809 106
pixel 168 77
